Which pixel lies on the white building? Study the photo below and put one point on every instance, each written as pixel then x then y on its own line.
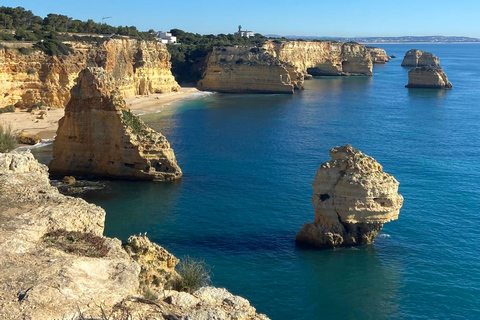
pixel 165 37
pixel 246 33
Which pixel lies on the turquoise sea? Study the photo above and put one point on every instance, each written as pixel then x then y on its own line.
pixel 248 163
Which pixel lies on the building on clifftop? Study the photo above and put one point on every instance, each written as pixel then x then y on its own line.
pixel 245 33
pixel 165 37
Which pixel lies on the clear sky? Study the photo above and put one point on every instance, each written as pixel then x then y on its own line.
pixel 343 18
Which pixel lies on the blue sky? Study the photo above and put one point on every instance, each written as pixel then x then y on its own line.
pixel 319 18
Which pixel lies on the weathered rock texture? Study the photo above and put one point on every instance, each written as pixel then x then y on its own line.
pixel 281 67
pixel 158 265
pixel 378 55
pixel 245 69
pixel 419 58
pixel 41 281
pixel 352 198
pixel 100 136
pixel 428 77
pixel 138 67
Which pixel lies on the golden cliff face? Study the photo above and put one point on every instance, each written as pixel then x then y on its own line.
pixel 245 69
pixel 100 136
pixel 138 67
pixel 325 58
pixel 281 67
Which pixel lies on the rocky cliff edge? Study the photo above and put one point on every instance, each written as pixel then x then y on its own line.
pixel 138 67
pixel 57 265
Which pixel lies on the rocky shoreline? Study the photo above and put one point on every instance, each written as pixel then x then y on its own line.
pixel 41 280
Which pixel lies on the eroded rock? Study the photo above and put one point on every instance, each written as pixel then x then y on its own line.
pixel 419 58
pixel 352 198
pixel 100 136
pixel 428 77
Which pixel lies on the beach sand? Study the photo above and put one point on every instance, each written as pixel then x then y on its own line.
pixel 47 128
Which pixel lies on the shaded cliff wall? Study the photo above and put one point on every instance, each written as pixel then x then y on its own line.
pixel 139 67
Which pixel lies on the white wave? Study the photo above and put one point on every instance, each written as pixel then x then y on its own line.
pixel 383 235
pixel 43 143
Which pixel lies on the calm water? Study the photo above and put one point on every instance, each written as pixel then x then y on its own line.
pixel 248 163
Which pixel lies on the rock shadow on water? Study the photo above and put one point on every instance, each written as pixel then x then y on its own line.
pixel 427 93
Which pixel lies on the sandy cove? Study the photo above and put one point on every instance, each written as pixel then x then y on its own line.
pixel 47 128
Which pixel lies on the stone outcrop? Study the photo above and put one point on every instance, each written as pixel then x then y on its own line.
pixel 281 67
pixel 352 198
pixel 378 55
pixel 324 58
pixel 245 69
pixel 44 281
pixel 419 58
pixel 428 77
pixel 100 136
pixel 138 67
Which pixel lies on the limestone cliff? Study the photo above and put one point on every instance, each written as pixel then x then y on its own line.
pixel 45 276
pixel 419 58
pixel 378 55
pixel 139 67
pixel 100 136
pixel 245 69
pixel 281 67
pixel 352 198
pixel 428 77
pixel 326 58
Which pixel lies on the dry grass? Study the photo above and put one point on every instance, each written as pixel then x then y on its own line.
pixel 77 243
pixel 8 141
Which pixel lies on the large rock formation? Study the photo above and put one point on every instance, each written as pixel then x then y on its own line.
pixel 378 55
pixel 419 58
pixel 245 69
pixel 428 77
pixel 352 198
pixel 139 67
pixel 100 136
pixel 45 278
pixel 280 67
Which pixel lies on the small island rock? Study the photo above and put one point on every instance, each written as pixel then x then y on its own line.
pixel 428 77
pixel 419 58
pixel 352 198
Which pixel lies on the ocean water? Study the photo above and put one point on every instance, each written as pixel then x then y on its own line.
pixel 248 163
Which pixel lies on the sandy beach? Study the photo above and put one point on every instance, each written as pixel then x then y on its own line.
pixel 47 127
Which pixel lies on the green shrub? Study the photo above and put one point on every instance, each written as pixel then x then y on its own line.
pixel 194 274
pixel 9 108
pixel 133 122
pixel 31 71
pixel 8 141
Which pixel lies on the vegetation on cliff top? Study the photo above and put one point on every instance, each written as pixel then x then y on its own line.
pixel 18 24
pixel 188 55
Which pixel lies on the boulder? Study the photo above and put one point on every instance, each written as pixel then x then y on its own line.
pixel 100 136
pixel 428 77
pixel 419 58
pixel 28 138
pixel 352 198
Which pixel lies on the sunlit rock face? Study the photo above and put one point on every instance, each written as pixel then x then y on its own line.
pixel 428 77
pixel 352 198
pixel 138 68
pixel 100 136
pixel 419 58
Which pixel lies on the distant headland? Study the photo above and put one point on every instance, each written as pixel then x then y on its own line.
pixel 402 39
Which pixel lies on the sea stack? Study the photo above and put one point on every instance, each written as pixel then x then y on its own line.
pixel 428 77
pixel 352 198
pixel 419 58
pixel 100 136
